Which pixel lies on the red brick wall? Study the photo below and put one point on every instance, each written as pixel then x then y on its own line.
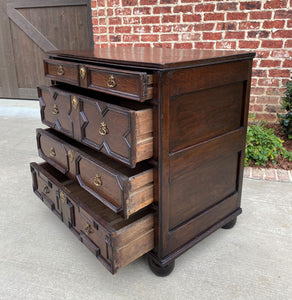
pixel 261 26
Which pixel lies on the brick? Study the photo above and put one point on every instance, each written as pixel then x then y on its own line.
pixel 190 36
pixel 258 108
pixel 171 19
pixel 162 10
pixel 149 38
pixel 280 53
pixel 249 25
pixel 282 34
pixel 183 9
pixel 183 28
pixel 113 3
pixel 212 35
pixel 273 91
pixel 259 73
pixel 109 12
pixel 148 2
pixel 279 73
pixel 258 34
pixel 260 15
pixel 270 63
pixel 141 11
pixel 275 4
pixel 283 175
pixel 204 7
pixel 100 3
pixel 204 26
pixel 257 91
pixel 250 5
pixel 262 54
pixel 214 17
pixel 93 4
pixel 162 45
pixel 274 24
pixel 183 46
pixel 115 38
pixel 268 82
pixel 283 14
pixel 169 37
pixel 288 44
pixel 237 16
pixel 131 20
pixel 101 12
pixel 129 2
pixel 192 18
pixel 249 44
pixel 230 35
pixel 287 63
pixel 190 1
pixel 131 38
pixel 227 6
pixel 204 45
pixel 123 29
pixel 272 44
pixel 122 11
pixel 270 175
pixel 168 1
pixel 142 29
pixel 267 100
pixel 289 24
pixel 257 173
pixel 115 21
pixel 150 20
pixel 94 12
pixel 226 45
pixel 148 45
pixel 268 117
pixel 226 26
pixel 162 28
pixel 95 21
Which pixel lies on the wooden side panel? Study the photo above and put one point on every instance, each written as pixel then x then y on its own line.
pixel 202 115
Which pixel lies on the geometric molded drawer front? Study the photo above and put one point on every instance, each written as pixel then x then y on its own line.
pixel 114 241
pixel 120 188
pixel 123 132
pixel 123 83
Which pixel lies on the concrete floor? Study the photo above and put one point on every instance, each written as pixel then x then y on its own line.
pixel 41 259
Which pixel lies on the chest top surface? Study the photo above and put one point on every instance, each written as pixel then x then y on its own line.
pixel 160 58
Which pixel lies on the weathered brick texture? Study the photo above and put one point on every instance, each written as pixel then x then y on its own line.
pixel 264 27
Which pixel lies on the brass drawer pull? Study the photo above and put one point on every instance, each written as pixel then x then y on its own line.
pixel 63 197
pixel 111 81
pixel 74 102
pixel 52 152
pixel 103 130
pixel 46 190
pixel 88 229
pixel 60 71
pixel 55 110
pixel 82 73
pixel 97 180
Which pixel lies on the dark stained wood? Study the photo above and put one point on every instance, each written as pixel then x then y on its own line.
pixel 128 135
pixel 120 188
pixel 114 241
pixel 158 58
pixel 28 29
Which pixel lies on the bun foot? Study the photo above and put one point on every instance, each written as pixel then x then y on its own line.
pixel 159 270
pixel 230 224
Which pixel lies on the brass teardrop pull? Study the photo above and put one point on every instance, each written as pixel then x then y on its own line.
pixel 46 190
pixel 82 73
pixel 111 82
pixel 62 197
pixel 88 229
pixel 52 152
pixel 70 156
pixel 55 110
pixel 60 70
pixel 97 180
pixel 74 102
pixel 103 130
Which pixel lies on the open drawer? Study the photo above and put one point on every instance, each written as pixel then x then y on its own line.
pixel 114 241
pixel 117 127
pixel 122 189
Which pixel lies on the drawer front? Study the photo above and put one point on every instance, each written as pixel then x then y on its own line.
pixel 120 132
pixel 112 240
pixel 122 189
pixel 127 84
pixel 62 71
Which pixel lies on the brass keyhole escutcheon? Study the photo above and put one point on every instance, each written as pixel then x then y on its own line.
pixel 88 229
pixel 70 156
pixel 52 152
pixel 63 197
pixel 111 82
pixel 46 190
pixel 103 130
pixel 82 73
pixel 55 110
pixel 60 71
pixel 97 180
pixel 74 102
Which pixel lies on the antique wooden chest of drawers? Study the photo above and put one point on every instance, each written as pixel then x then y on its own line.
pixel 145 148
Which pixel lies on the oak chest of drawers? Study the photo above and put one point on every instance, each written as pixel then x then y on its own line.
pixel 145 148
